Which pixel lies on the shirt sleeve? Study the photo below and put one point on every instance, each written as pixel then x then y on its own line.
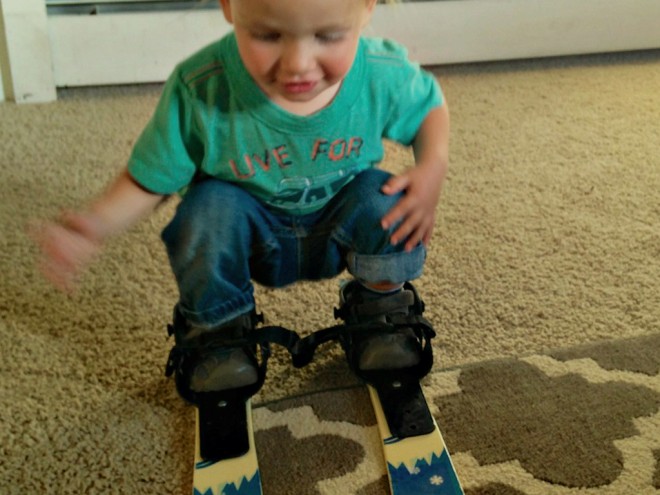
pixel 416 93
pixel 163 158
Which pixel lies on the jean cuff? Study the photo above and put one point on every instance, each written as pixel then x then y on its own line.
pixel 396 268
pixel 218 315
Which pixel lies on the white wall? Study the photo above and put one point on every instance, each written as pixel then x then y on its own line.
pixel 3 54
pixel 45 52
pixel 25 60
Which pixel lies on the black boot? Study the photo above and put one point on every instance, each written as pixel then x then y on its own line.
pixel 211 359
pixel 381 339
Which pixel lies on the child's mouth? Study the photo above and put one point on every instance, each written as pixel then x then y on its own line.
pixel 299 87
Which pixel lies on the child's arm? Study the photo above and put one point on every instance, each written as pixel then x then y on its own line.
pixel 422 184
pixel 69 244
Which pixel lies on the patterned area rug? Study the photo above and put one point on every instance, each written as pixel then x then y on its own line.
pixel 584 420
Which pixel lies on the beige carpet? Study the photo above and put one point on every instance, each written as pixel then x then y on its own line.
pixel 548 240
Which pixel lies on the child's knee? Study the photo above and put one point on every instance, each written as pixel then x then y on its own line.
pixel 370 198
pixel 212 212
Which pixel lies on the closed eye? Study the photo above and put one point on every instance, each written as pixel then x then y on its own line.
pixel 265 36
pixel 330 37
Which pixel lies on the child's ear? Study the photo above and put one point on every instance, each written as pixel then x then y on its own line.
pixel 370 9
pixel 226 10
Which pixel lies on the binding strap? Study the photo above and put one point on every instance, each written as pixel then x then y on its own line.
pixel 183 356
pixel 399 390
pixel 352 336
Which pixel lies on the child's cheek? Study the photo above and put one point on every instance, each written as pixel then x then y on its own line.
pixel 337 67
pixel 257 59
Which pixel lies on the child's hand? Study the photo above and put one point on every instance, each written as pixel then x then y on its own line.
pixel 416 210
pixel 67 247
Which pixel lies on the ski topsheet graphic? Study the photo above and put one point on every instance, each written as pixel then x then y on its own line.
pixel 416 465
pixel 235 476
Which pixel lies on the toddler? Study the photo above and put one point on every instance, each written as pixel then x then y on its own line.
pixel 272 136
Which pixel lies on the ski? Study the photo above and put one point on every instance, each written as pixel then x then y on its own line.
pixel 225 454
pixel 419 464
pixel 417 459
pixel 231 476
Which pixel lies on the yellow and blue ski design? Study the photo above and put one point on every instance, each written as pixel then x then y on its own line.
pixel 418 465
pixel 237 476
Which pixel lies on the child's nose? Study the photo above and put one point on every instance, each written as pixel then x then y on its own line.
pixel 297 58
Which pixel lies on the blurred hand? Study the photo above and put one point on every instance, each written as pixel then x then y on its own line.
pixel 67 247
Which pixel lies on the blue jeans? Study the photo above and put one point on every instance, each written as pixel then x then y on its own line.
pixel 222 238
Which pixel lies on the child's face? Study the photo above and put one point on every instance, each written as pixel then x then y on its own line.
pixel 298 51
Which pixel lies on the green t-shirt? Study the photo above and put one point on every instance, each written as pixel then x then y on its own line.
pixel 213 120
